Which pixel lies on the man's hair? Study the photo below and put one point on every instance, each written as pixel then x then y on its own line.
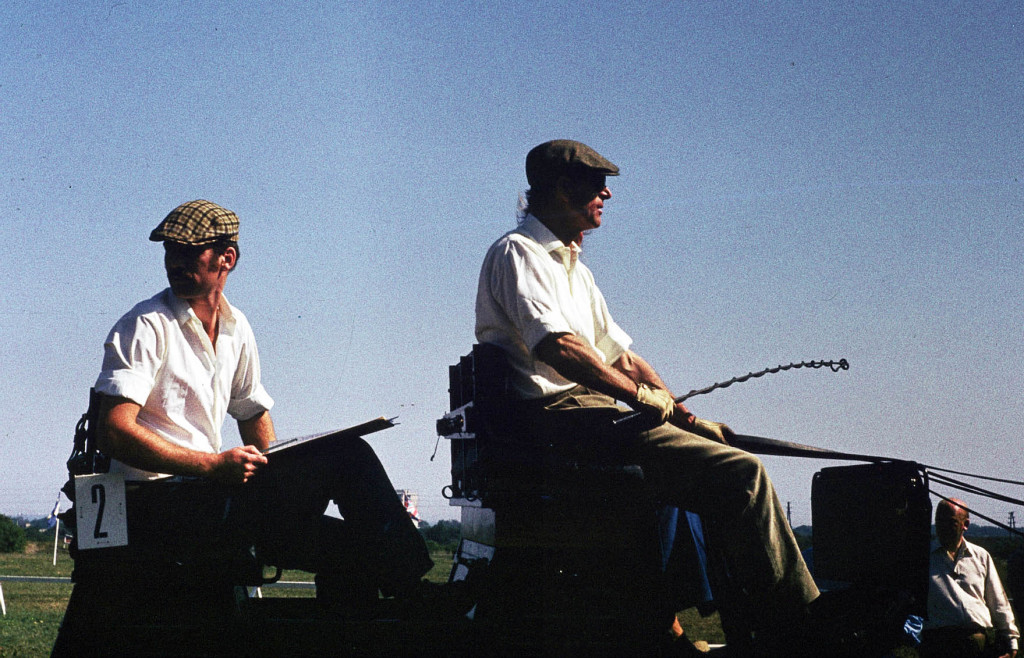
pixel 954 505
pixel 221 245
pixel 532 200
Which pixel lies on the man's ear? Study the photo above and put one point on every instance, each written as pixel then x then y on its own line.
pixel 967 523
pixel 229 258
pixel 564 188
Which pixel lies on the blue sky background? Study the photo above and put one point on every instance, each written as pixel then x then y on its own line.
pixel 799 181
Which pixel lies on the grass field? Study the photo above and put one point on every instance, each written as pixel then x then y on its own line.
pixel 34 610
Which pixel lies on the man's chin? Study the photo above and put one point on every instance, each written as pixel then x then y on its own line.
pixel 183 290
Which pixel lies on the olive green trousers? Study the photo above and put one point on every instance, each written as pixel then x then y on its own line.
pixel 726 486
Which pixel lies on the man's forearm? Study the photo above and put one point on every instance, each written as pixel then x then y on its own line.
pixel 573 359
pixel 258 431
pixel 122 438
pixel 638 370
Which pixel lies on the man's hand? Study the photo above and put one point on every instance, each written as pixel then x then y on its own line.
pixel 655 403
pixel 718 432
pixel 237 465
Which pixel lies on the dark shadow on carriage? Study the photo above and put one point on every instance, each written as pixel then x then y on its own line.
pixel 560 554
pixel 567 553
pixel 188 586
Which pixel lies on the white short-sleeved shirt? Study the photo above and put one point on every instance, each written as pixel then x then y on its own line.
pixel 159 356
pixel 532 285
pixel 967 590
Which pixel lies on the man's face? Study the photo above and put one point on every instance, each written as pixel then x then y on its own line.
pixel 587 195
pixel 950 523
pixel 192 271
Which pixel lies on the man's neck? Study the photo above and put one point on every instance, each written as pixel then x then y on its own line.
pixel 556 224
pixel 953 551
pixel 207 309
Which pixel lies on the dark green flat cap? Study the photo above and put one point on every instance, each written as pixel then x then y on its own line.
pixel 546 162
pixel 197 223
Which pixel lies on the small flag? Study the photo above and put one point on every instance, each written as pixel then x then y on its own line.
pixel 51 520
pixel 409 500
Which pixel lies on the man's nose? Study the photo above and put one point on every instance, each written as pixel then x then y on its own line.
pixel 605 193
pixel 175 262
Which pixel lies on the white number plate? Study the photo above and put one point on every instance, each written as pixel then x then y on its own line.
pixel 100 510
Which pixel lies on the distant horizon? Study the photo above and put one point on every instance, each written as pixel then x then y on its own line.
pixel 974 528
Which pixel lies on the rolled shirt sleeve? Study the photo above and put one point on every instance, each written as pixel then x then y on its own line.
pixel 248 397
pixel 612 341
pixel 529 301
pixel 132 356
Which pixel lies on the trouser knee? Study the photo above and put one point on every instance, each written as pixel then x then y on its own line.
pixel 745 483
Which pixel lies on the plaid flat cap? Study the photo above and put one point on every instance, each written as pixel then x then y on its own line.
pixel 546 162
pixel 196 223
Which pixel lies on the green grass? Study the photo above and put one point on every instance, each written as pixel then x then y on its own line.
pixel 439 574
pixel 37 560
pixel 35 610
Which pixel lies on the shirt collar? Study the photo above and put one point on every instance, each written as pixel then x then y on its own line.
pixel 964 549
pixel 534 228
pixel 184 314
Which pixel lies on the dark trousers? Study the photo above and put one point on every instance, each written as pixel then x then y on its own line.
pixel 281 512
pixel 959 642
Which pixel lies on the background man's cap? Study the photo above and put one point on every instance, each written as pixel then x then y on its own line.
pixel 197 223
pixel 547 161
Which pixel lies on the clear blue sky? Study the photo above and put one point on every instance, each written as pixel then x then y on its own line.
pixel 799 181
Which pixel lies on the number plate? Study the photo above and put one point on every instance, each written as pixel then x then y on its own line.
pixel 100 511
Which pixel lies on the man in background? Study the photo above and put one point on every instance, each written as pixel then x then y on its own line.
pixel 968 613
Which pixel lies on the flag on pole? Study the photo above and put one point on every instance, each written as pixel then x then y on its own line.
pixel 409 501
pixel 51 520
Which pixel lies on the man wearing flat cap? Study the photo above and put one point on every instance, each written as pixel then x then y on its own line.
pixel 174 367
pixel 571 362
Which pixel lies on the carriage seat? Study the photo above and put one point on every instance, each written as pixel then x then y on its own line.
pixel 493 461
pixel 161 544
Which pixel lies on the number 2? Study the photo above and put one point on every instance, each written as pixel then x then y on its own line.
pixel 99 498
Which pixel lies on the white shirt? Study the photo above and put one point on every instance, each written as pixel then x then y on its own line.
pixel 967 589
pixel 532 285
pixel 159 356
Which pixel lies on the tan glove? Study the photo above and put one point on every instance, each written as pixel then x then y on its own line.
pixel 718 432
pixel 655 403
